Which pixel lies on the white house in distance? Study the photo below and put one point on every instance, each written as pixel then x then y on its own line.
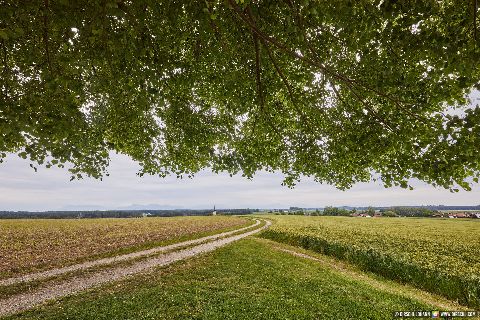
pixel 214 212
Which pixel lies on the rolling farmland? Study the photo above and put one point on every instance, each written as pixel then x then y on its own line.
pixel 441 256
pixel 32 245
pixel 247 273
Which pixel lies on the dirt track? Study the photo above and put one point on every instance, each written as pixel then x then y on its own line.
pixel 112 260
pixel 70 286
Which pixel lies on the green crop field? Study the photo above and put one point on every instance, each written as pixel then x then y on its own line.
pixel 439 255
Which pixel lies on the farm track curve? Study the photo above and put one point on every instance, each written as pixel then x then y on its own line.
pixel 111 260
pixel 27 300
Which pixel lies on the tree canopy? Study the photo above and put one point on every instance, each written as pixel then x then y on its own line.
pixel 342 91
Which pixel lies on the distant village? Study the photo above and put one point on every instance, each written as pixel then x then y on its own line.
pixel 371 212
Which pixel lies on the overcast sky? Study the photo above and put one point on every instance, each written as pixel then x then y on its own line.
pixel 50 189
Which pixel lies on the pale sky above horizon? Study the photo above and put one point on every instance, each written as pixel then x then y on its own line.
pixel 50 189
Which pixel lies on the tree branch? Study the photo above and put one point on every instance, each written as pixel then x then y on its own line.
pixel 45 35
pixel 351 82
pixel 475 8
pixel 5 69
pixel 257 69
pixel 279 71
pixel 257 60
pixel 397 102
pixel 216 29
pixel 379 119
pixel 285 48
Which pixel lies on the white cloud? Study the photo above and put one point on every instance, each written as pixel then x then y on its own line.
pixel 50 189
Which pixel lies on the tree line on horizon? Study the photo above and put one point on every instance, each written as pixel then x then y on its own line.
pixel 371 211
pixel 81 214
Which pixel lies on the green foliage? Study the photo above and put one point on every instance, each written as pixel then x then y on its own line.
pixel 291 212
pixel 413 212
pixel 298 213
pixel 437 255
pixel 389 213
pixel 334 211
pixel 335 90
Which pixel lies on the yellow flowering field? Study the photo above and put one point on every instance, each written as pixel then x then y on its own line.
pixel 39 244
pixel 439 255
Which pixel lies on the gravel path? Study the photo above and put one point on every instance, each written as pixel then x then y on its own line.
pixel 24 301
pixel 111 260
